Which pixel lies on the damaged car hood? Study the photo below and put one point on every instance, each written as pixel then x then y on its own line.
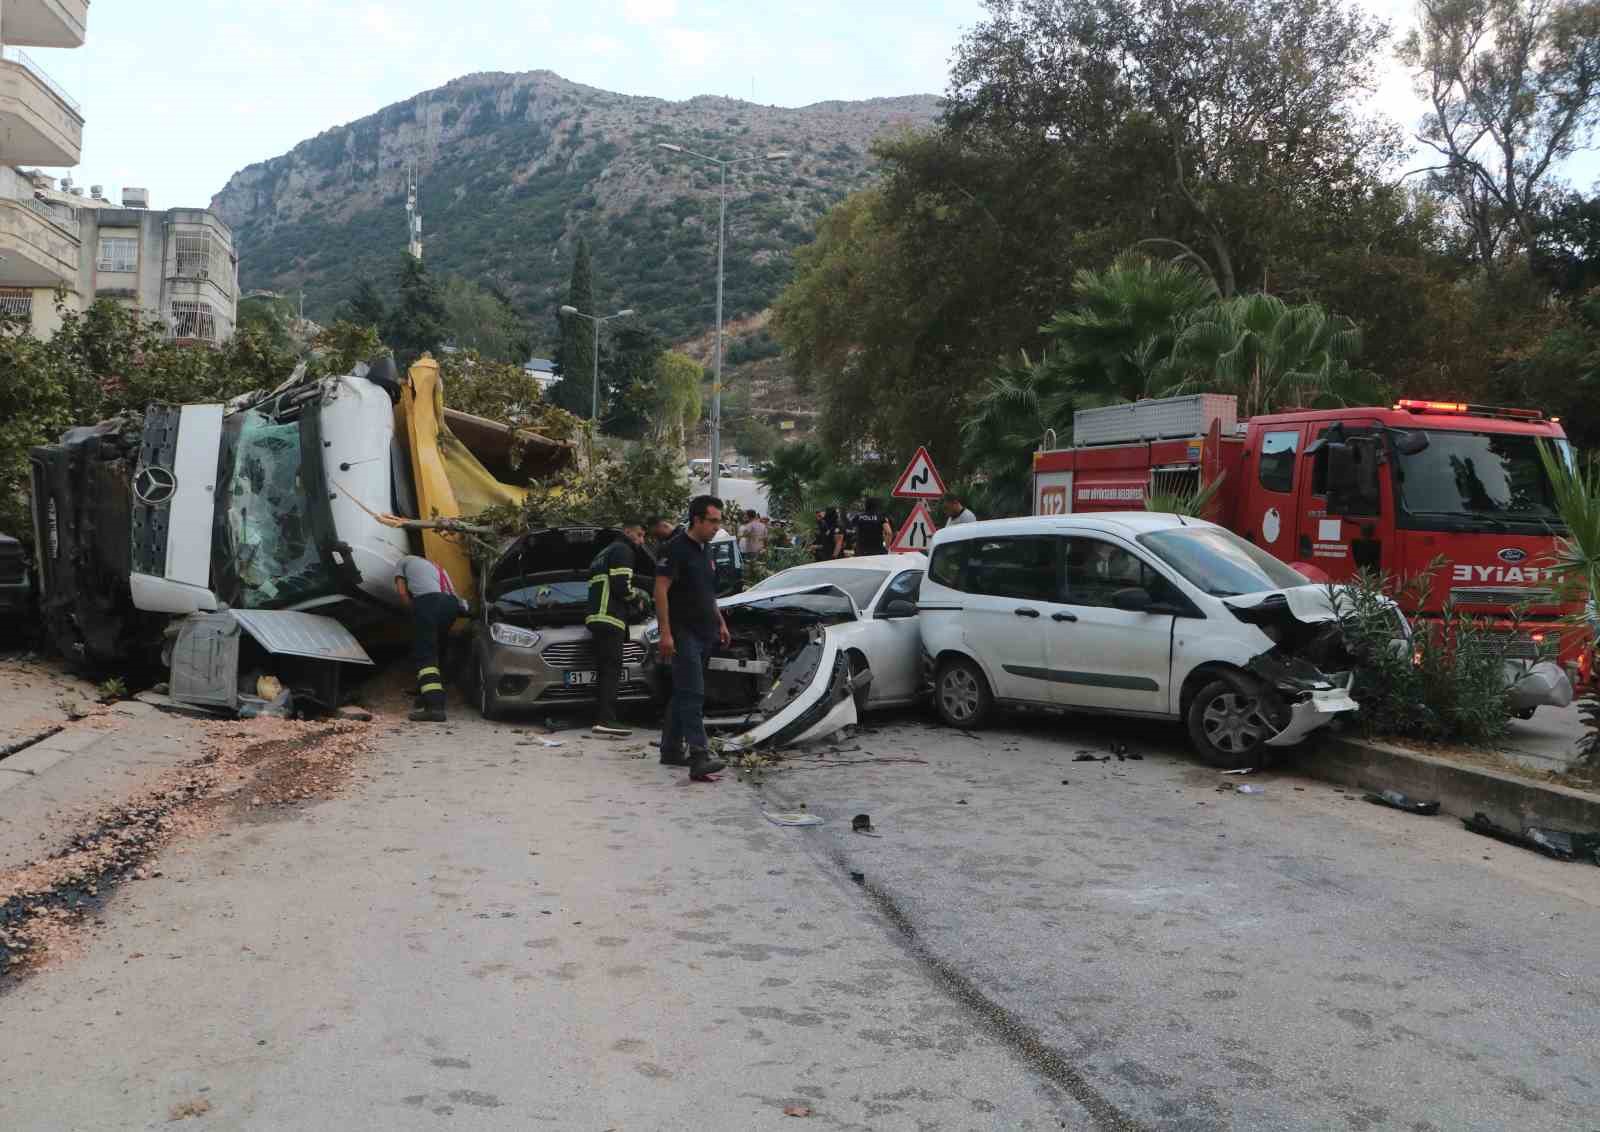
pixel 750 597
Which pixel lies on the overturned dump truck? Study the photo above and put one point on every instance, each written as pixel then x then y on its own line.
pixel 157 533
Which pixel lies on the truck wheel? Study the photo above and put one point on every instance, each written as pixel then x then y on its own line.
pixel 1227 727
pixel 488 699
pixel 961 694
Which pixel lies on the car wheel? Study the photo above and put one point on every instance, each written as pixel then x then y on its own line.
pixel 1227 726
pixel 961 693
pixel 860 680
pixel 488 699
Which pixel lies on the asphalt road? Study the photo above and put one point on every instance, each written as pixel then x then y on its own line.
pixel 495 933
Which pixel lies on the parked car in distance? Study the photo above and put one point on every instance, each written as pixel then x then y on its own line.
pixel 808 639
pixel 1138 614
pixel 529 647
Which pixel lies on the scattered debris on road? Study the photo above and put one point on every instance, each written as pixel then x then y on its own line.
pixel 249 765
pixel 1560 844
pixel 1253 791
pixel 791 819
pixel 1396 800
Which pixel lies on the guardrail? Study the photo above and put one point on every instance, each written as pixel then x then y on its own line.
pixel 24 60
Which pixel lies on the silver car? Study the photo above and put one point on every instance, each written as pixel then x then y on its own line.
pixel 529 645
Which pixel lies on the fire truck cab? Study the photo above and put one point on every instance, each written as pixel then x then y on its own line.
pixel 1334 491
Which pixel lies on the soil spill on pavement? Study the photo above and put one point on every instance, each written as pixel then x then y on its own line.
pixel 250 769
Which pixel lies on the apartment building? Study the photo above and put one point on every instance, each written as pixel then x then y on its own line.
pixel 58 245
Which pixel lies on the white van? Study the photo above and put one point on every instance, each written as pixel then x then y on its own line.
pixel 1132 613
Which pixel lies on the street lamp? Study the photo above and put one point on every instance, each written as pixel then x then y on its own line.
pixel 722 218
pixel 594 411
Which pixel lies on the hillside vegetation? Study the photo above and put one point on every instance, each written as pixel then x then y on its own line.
pixel 513 167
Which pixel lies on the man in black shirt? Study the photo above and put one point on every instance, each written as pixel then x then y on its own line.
pixel 873 532
pixel 691 625
pixel 611 582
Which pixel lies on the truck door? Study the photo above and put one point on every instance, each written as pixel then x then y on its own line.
pixel 1270 517
pixel 1344 488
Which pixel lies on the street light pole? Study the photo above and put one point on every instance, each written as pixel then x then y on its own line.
pixel 574 312
pixel 722 229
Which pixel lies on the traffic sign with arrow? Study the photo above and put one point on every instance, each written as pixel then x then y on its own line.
pixel 921 479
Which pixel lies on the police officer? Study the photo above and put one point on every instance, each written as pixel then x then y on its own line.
pixel 611 592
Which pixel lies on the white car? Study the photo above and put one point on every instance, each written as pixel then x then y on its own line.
pixel 1133 613
pixel 813 647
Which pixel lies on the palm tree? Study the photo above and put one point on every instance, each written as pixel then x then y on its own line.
pixel 1270 355
pixel 1112 344
pixel 1577 558
pixel 1014 410
pixel 792 469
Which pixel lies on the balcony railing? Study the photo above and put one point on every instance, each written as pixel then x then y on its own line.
pixel 59 218
pixel 23 59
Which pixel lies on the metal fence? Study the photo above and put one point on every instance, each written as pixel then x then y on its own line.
pixel 24 60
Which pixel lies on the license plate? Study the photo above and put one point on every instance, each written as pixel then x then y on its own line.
pixel 576 679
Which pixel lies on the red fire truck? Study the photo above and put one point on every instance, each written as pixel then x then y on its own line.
pixel 1331 491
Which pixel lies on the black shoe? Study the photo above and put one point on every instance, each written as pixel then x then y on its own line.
pixel 674 758
pixel 427 715
pixel 702 765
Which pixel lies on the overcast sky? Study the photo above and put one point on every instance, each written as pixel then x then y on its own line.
pixel 177 97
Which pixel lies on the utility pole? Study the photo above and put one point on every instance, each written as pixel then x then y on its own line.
pixel 722 229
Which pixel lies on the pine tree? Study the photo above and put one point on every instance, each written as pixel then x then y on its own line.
pixel 417 322
pixel 574 361
pixel 365 307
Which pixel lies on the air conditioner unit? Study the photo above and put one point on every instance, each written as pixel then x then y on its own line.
pixel 135 198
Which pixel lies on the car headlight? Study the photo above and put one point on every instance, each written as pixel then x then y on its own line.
pixel 513 636
pixel 652 634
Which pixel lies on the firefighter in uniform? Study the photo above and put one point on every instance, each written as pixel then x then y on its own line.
pixel 611 592
pixel 427 589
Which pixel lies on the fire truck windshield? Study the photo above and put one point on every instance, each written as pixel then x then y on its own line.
pixel 1477 476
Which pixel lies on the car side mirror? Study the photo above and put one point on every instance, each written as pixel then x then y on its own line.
pixel 1410 443
pixel 897 607
pixel 1132 600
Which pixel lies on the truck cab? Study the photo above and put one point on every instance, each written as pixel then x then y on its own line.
pixel 1447 489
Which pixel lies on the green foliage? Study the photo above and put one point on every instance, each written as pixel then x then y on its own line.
pixel 505 392
pixel 1113 342
pixel 630 357
pixel 575 359
pixel 102 362
pixel 365 306
pixel 615 488
pixel 1016 406
pixel 789 474
pixel 1577 560
pixel 477 319
pixel 673 402
pixel 1448 684
pixel 753 437
pixel 417 320
pixel 1270 355
pixel 1180 501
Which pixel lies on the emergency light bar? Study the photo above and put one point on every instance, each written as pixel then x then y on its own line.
pixel 1461 407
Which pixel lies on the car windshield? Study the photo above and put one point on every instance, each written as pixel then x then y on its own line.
pixel 267 554
pixel 1219 562
pixel 1479 475
pixel 859 584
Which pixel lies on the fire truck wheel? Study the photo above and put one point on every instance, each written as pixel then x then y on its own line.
pixel 1226 726
pixel 961 694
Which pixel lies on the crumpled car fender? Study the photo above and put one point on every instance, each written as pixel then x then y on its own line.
pixel 812 698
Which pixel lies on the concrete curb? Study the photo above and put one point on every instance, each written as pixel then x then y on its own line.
pixel 1462 791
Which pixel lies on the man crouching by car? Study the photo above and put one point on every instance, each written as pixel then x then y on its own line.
pixel 691 624
pixel 611 593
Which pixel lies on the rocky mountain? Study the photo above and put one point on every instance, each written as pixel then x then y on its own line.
pixel 514 167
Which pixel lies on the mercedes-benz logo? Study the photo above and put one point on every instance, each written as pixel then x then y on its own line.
pixel 154 486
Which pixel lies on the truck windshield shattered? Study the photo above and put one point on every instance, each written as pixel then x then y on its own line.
pixel 1480 475
pixel 266 554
